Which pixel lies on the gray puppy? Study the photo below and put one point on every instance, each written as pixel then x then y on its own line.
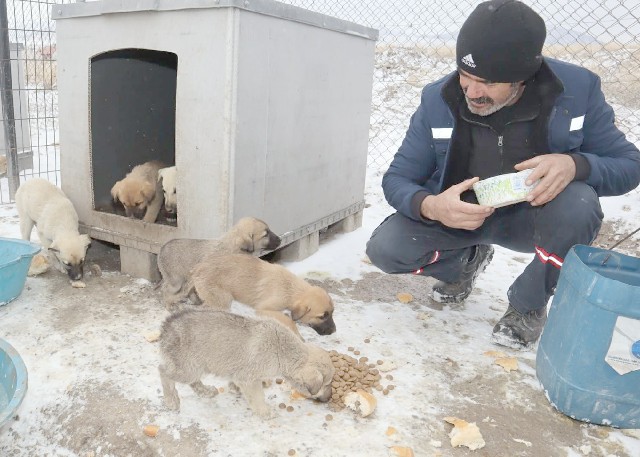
pixel 245 351
pixel 177 257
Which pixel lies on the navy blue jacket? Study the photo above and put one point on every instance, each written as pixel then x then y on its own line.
pixel 578 120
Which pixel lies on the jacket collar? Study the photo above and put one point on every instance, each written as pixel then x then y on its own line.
pixel 548 84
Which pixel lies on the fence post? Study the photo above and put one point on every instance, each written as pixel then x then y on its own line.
pixel 6 96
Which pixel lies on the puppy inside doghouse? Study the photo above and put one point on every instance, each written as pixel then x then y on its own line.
pixel 167 178
pixel 140 192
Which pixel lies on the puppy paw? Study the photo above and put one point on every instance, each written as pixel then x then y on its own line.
pixel 172 402
pixel 204 391
pixel 265 412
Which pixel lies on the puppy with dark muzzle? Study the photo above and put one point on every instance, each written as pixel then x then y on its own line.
pixel 177 257
pixel 46 206
pixel 268 288
pixel 245 351
pixel 140 192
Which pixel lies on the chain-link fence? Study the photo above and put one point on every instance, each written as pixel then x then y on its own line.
pixel 416 46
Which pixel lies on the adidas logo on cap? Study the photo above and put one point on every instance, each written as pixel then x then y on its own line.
pixel 468 61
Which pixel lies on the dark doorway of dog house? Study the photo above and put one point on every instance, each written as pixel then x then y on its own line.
pixel 132 118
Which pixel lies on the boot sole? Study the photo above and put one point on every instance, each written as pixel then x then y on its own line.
pixel 457 299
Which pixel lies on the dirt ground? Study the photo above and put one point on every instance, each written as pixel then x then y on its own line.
pixel 100 415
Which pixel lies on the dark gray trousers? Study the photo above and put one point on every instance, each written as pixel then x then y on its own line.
pixel 403 245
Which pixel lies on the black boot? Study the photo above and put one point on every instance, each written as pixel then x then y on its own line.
pixel 457 292
pixel 518 330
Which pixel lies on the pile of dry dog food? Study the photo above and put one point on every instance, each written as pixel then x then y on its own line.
pixel 353 375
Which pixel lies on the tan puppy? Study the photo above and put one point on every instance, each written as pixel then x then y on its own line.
pixel 269 288
pixel 3 164
pixel 167 178
pixel 177 257
pixel 245 351
pixel 140 192
pixel 44 205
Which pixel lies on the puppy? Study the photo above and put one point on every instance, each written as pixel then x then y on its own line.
pixel 246 351
pixel 177 257
pixel 44 205
pixel 140 192
pixel 167 178
pixel 268 288
pixel 3 165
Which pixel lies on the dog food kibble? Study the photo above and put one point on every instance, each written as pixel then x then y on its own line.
pixel 385 391
pixel 379 362
pixel 391 387
pixel 289 408
pixel 366 340
pixel 328 417
pixel 278 381
pixel 350 349
pixel 292 452
pixel 356 352
pixel 363 360
pixel 282 406
pixel 150 430
pixel 350 375
pixel 389 377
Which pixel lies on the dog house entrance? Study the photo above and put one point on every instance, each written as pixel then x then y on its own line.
pixel 132 117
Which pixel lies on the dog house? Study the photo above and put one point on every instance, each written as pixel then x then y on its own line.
pixel 263 107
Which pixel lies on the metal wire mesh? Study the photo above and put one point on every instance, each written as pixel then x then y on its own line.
pixel 416 46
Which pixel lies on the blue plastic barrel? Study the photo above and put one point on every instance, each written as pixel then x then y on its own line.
pixel 15 259
pixel 595 287
pixel 13 381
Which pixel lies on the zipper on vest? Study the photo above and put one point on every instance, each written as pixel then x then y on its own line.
pixel 500 148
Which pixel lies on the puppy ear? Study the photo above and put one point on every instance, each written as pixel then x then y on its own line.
pixel 299 310
pixel 148 191
pixel 311 379
pixel 115 190
pixel 245 244
pixel 160 175
pixel 53 247
pixel 86 240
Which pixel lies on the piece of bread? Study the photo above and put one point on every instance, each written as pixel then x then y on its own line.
pixel 361 402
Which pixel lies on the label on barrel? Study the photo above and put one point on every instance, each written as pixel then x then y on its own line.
pixel 624 351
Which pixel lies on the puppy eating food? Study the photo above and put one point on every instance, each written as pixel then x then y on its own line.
pixel 268 288
pixel 140 192
pixel 44 205
pixel 177 257
pixel 167 177
pixel 246 351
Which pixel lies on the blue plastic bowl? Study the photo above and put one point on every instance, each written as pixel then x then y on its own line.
pixel 15 258
pixel 13 381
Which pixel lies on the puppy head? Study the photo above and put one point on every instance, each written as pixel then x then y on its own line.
pixel 134 194
pixel 254 235
pixel 315 308
pixel 70 250
pixel 314 378
pixel 167 177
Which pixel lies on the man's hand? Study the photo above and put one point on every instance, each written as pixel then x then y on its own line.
pixel 555 172
pixel 448 209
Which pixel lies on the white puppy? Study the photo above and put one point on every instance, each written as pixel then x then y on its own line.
pixel 44 205
pixel 167 176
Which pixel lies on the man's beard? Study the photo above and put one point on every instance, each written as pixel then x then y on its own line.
pixel 492 107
